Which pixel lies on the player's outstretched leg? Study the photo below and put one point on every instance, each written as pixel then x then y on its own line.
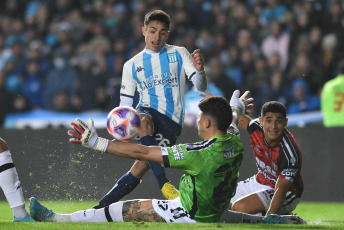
pixel 11 186
pixel 40 213
pixel 283 219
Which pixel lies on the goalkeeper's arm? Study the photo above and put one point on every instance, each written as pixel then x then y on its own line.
pixel 86 135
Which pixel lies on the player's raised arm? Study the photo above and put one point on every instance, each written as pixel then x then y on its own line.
pixel 240 106
pixel 200 78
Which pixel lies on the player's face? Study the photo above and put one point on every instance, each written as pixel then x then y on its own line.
pixel 273 126
pixel 156 34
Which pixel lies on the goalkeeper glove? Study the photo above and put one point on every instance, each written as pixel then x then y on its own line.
pixel 86 135
pixel 247 100
pixel 241 104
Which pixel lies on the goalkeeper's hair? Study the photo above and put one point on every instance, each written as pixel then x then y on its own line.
pixel 157 15
pixel 274 107
pixel 219 109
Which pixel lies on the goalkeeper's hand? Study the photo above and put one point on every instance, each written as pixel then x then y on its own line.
pixel 86 135
pixel 241 104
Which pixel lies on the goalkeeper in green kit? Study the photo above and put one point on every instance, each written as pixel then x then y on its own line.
pixel 211 169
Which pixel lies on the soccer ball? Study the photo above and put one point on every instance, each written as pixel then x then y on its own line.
pixel 123 123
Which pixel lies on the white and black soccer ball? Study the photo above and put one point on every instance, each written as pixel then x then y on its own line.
pixel 123 123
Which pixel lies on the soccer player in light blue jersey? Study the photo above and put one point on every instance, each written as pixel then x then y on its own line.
pixel 158 73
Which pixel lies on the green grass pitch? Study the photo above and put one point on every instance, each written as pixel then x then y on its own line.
pixel 319 215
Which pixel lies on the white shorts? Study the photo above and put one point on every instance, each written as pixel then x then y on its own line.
pixel 265 193
pixel 172 211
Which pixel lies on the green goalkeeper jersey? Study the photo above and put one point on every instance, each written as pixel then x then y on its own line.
pixel 211 172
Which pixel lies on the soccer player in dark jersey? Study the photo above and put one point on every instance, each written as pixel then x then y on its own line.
pixel 211 171
pixel 278 185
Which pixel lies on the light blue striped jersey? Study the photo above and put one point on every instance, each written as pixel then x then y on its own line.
pixel 160 80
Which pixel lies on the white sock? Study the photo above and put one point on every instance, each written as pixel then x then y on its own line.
pixel 10 184
pixel 89 215
pixel 112 213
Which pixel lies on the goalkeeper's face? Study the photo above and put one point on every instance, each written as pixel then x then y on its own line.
pixel 273 126
pixel 156 34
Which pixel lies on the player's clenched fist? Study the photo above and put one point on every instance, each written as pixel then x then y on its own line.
pixel 86 135
pixel 197 59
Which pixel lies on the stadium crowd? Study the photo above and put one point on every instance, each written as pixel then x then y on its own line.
pixel 64 55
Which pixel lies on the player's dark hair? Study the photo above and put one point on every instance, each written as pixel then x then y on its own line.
pixel 218 108
pixel 274 107
pixel 157 15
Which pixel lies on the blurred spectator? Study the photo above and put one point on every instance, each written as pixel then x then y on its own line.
pixel 5 52
pixel 38 52
pixel 244 42
pixel 275 90
pixel 259 77
pixel 332 100
pixel 62 102
pixel 302 99
pixel 61 78
pixel 274 62
pixel 20 104
pixel 330 55
pixel 217 76
pixel 277 42
pixel 33 89
pixel 205 42
pixel 315 37
pixel 6 99
pixel 340 34
pixel 332 18
pixel 247 66
pixel 87 82
pixel 256 30
pixel 302 68
pixel 233 70
pixel 273 12
pixel 14 81
pixel 314 11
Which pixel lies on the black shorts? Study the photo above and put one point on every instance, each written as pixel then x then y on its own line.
pixel 166 131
